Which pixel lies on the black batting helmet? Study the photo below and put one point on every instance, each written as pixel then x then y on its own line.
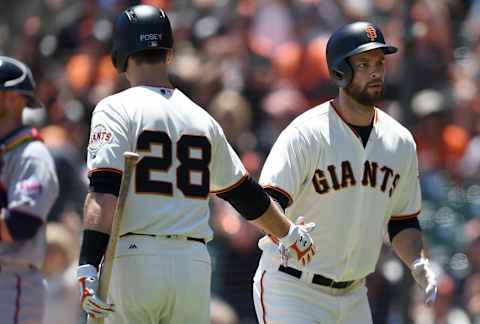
pixel 140 28
pixel 349 40
pixel 16 76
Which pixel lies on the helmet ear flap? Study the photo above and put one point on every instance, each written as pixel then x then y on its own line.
pixel 342 74
pixel 119 61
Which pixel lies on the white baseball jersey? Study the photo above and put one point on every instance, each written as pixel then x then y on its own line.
pixel 184 156
pixel 348 190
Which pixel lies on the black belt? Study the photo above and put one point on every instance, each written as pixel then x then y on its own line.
pixel 201 240
pixel 317 279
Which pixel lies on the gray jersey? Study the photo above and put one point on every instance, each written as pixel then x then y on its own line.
pixel 29 184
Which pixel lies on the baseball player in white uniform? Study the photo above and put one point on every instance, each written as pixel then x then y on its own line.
pixel 161 271
pixel 28 189
pixel 351 169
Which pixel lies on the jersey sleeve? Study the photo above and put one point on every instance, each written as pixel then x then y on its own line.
pixel 409 200
pixel 33 185
pixel 108 139
pixel 226 169
pixel 286 169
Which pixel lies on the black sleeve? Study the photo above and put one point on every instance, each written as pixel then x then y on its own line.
pixel 248 198
pixel 279 197
pixel 22 226
pixel 395 226
pixel 105 181
pixel 93 248
pixel 3 196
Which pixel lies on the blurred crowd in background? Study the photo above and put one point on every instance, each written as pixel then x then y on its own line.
pixel 256 65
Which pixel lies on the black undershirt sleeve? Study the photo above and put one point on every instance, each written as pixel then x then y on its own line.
pixel 248 198
pixel 105 181
pixel 93 248
pixel 279 197
pixel 395 226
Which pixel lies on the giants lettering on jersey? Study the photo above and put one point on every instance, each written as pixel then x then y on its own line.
pixel 377 177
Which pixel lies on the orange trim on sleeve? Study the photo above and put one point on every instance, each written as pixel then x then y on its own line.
pixel 105 169
pixel 406 216
pixel 283 192
pixel 233 186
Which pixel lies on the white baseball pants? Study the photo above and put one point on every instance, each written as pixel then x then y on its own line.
pixel 160 281
pixel 283 299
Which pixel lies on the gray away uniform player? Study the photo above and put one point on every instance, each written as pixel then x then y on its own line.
pixel 161 270
pixel 28 189
pixel 351 169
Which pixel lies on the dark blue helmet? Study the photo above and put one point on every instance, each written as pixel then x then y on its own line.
pixel 139 28
pixel 349 40
pixel 16 76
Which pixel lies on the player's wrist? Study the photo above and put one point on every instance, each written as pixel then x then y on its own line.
pixel 291 237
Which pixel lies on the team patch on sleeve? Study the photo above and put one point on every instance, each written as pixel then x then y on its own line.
pixel 99 137
pixel 30 187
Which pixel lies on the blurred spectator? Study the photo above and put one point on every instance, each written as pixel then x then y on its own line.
pixel 233 112
pixel 281 106
pixel 222 313
pixel 62 291
pixel 69 164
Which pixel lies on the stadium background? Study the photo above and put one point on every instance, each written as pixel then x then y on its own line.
pixel 255 65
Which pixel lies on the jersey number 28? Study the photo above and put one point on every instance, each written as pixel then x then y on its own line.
pixel 188 164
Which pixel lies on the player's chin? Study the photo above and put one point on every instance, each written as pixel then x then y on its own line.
pixel 374 94
pixel 374 91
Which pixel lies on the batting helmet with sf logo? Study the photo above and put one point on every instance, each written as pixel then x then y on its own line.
pixel 349 40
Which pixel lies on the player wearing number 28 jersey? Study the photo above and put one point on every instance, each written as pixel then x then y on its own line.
pixel 161 270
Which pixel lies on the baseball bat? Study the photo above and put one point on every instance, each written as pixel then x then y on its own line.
pixel 130 160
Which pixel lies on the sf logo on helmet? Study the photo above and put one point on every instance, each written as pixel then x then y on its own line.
pixel 371 33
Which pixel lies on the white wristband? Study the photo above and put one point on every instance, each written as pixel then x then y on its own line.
pixel 86 271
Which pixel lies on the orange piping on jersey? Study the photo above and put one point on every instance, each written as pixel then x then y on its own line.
pixel 235 185
pixel 283 192
pixel 406 216
pixel 105 169
pixel 343 119
pixel 264 315
pixel 30 137
pixel 375 117
pixel 274 239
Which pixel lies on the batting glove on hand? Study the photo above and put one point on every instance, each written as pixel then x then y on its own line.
pixel 423 274
pixel 298 241
pixel 94 306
